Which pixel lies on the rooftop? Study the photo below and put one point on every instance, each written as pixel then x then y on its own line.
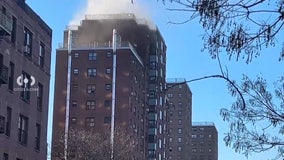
pixel 121 16
pixel 203 124
pixel 175 80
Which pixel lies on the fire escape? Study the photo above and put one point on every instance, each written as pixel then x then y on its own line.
pixel 5 30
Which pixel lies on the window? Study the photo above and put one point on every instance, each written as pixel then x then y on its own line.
pixel 209 136
pixel 135 79
pixel 73 120
pixel 37 137
pixel 194 136
pixel 179 95
pixel 179 121
pixel 74 103
pixel 160 115
pixel 180 86
pixel 170 95
pixel 108 87
pixel 201 129
pixel 5 156
pixel 201 136
pixel 25 80
pixel 92 72
pixel 179 112
pixel 76 55
pixel 91 88
pixel 90 121
pixel 179 130
pixel 179 148
pixel 107 120
pixel 180 104
pixel 160 156
pixel 14 30
pixel 194 150
pixel 90 105
pixel 75 87
pixel 152 123
pixel 209 157
pixel 153 79
pixel 23 130
pixel 108 70
pixel 41 55
pixel 75 71
pixel 152 94
pixel 179 140
pixel 28 42
pixel 170 139
pixel 39 97
pixel 92 56
pixel 2 124
pixel 160 129
pixel 107 103
pixel 160 143
pixel 8 121
pixel 11 76
pixel 153 65
pixel 108 54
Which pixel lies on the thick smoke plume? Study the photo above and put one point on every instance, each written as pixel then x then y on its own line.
pixel 112 7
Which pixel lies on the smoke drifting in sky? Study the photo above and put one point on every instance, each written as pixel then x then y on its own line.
pixel 111 7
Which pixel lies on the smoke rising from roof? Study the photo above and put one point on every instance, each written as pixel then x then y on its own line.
pixel 112 7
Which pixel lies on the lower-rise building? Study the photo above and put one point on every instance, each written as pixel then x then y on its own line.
pixel 204 141
pixel 179 119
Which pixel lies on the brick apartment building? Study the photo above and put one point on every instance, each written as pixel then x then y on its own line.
pixel 85 100
pixel 204 141
pixel 179 119
pixel 25 53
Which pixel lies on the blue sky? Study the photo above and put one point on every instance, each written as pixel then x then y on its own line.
pixel 184 60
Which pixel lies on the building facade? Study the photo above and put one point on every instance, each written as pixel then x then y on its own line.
pixel 85 98
pixel 204 141
pixel 179 119
pixel 25 53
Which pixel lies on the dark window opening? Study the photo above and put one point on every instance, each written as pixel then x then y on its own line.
pixel 40 97
pixel 41 55
pixel 28 42
pixel 11 76
pixel 23 130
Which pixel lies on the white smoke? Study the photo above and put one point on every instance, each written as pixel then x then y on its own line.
pixel 112 7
